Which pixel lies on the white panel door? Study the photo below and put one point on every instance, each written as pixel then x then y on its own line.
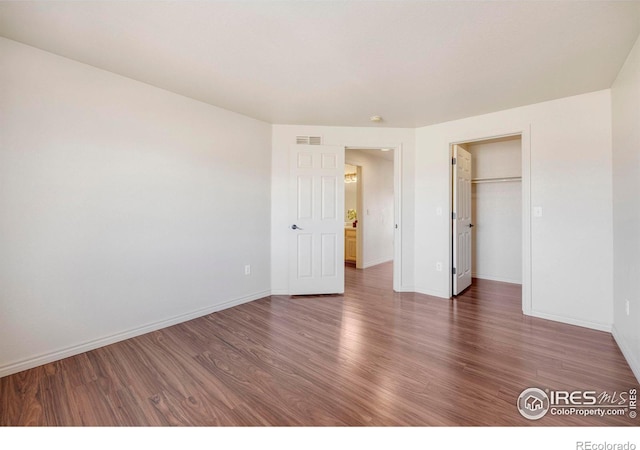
pixel 316 205
pixel 462 244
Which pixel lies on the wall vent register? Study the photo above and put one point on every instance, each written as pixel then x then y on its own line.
pixel 309 140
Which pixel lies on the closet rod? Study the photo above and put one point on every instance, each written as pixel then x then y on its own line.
pixel 495 180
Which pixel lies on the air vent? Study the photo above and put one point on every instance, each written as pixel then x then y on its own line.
pixel 309 140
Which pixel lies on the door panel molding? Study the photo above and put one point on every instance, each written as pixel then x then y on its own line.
pixel 316 228
pixel 462 247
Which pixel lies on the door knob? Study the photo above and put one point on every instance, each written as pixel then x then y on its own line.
pixel 471 225
pixel 295 227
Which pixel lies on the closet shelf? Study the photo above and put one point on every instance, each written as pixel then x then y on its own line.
pixel 495 180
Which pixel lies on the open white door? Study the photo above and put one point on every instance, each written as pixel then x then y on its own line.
pixel 316 241
pixel 461 219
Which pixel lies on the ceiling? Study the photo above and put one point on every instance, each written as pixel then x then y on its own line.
pixel 339 62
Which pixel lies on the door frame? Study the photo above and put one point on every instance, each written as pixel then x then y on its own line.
pixel 525 137
pixel 397 208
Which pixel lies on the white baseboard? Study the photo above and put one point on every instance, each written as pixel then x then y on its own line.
pixel 571 321
pixel 492 278
pixel 401 289
pixel 406 289
pixel 279 292
pixel 433 293
pixel 632 360
pixel 375 262
pixel 56 355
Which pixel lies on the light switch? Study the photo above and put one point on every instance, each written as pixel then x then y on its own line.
pixel 438 211
pixel 537 211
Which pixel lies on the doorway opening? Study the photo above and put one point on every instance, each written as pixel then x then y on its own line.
pixel 488 212
pixel 372 208
pixel 316 240
pixel 352 204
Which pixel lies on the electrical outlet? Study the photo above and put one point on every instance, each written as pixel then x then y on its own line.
pixel 627 306
pixel 439 266
pixel 247 269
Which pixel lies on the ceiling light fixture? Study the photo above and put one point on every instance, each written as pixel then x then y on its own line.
pixel 385 149
pixel 375 118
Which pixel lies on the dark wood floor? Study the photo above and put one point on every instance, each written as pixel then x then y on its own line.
pixel 370 357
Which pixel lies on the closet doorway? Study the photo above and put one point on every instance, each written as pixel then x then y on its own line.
pixel 487 207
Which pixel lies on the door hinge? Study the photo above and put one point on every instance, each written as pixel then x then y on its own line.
pixel 453 271
pixel 454 161
pixel 453 215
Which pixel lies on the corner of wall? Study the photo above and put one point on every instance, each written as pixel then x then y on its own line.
pixel 625 114
pixel 627 352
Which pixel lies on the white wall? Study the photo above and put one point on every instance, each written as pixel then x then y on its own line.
pixel 496 158
pixel 375 221
pixel 497 211
pixel 626 207
pixel 284 136
pixel 123 208
pixel 570 161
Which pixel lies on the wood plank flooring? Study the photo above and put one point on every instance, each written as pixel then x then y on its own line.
pixel 369 358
